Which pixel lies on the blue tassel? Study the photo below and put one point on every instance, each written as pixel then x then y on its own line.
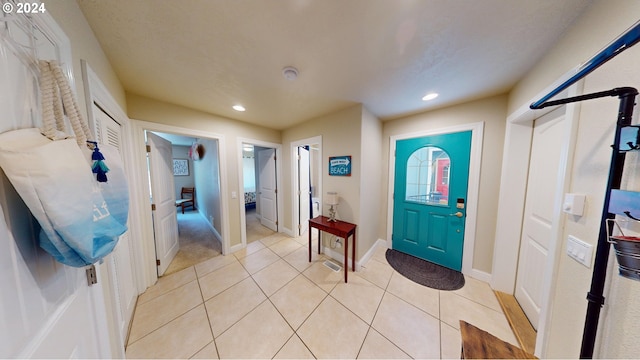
pixel 99 167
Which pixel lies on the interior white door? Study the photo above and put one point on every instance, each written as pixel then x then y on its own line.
pixel 165 222
pixel 268 188
pixel 304 190
pixel 538 213
pixel 117 267
pixel 47 310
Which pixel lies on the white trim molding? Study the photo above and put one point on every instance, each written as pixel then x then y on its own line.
pixel 477 131
pixel 140 196
pixel 511 202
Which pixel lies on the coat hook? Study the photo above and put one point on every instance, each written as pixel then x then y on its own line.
pixel 628 213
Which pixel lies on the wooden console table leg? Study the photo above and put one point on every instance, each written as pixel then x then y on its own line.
pixel 346 258
pixel 353 253
pixel 310 231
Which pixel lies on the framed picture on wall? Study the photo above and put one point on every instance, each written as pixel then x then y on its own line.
pixel 181 167
pixel 340 165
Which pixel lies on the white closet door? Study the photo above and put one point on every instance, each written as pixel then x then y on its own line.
pixel 538 214
pixel 121 294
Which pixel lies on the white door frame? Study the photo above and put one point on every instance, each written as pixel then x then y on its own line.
pixel 141 209
pixel 295 216
pixel 96 92
pixel 473 189
pixel 243 213
pixel 511 201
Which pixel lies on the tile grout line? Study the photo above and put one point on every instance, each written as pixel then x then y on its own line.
pixel 169 321
pixel 213 338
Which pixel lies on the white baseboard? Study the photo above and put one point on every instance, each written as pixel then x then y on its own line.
pixel 287 231
pixel 480 275
pixel 215 232
pixel 369 254
pixel 235 248
pixel 213 229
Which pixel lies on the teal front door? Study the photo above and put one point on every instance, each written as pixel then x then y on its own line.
pixel 430 191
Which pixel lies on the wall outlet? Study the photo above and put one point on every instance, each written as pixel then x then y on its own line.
pixel 338 243
pixel 579 250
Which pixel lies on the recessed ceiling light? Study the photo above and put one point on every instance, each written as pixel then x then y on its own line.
pixel 430 96
pixel 238 108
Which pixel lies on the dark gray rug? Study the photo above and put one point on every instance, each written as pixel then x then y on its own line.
pixel 424 272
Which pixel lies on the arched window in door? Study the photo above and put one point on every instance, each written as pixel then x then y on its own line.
pixel 427 180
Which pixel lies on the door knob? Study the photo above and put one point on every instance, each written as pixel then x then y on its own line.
pixel 458 214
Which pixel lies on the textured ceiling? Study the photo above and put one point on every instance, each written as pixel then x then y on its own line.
pixel 212 54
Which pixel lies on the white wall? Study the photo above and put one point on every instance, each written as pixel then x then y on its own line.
pixel 620 322
pixel 207 184
pixel 341 135
pixel 182 152
pixel 371 183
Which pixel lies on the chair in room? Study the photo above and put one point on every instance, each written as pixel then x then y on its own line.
pixel 187 198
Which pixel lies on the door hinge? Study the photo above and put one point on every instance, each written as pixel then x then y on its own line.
pixel 275 158
pixel 276 222
pixel 153 207
pixel 92 277
pixel 276 191
pixel 157 262
pixel 299 226
pixel 148 148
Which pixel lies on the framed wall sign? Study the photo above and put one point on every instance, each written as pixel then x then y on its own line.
pixel 181 167
pixel 340 165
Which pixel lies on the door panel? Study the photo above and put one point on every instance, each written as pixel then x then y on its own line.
pixel 118 267
pixel 437 232
pixel 304 188
pixel 268 189
pixel 537 224
pixel 431 176
pixel 165 222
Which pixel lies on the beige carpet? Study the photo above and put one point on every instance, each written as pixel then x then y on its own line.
pixel 255 230
pixel 197 242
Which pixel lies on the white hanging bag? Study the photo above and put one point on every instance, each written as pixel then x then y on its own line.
pixel 49 170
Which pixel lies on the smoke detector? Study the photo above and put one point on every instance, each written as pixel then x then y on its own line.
pixel 290 73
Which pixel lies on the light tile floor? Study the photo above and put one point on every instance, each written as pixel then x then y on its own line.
pixel 268 301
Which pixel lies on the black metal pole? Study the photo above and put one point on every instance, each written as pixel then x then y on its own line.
pixel 595 295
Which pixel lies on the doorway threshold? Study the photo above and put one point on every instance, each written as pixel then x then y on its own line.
pixel 520 325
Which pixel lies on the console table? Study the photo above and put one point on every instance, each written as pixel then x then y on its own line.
pixel 340 229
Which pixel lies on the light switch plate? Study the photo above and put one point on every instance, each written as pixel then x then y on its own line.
pixel 579 250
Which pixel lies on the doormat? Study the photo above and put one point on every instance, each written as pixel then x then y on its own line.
pixel 424 272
